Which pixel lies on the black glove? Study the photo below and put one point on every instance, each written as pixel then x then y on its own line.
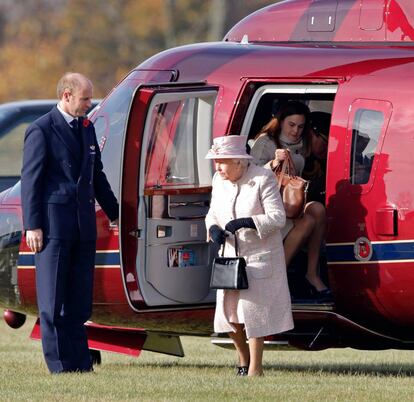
pixel 239 223
pixel 217 235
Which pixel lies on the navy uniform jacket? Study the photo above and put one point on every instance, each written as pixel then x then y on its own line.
pixel 59 183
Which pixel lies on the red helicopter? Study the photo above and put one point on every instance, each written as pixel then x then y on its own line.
pixel 351 58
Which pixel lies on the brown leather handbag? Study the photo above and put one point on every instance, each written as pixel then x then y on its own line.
pixel 293 189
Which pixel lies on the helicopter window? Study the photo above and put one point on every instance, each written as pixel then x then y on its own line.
pixel 11 146
pixel 321 16
pixel 366 132
pixel 371 18
pixel 183 165
pixel 11 141
pixel 267 99
pixel 110 123
pixel 171 156
pixel 171 146
pixel 161 151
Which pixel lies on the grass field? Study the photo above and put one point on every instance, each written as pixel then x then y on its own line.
pixel 206 374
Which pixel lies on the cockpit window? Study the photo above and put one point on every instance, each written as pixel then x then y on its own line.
pixel 110 123
pixel 5 112
pixel 11 141
pixel 366 133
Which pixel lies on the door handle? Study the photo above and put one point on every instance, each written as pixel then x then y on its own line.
pixel 114 226
pixel 386 221
pixel 189 204
pixel 135 233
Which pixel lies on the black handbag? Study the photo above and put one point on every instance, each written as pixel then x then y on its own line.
pixel 229 272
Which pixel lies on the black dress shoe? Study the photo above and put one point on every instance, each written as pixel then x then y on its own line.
pixel 320 296
pixel 242 371
pixel 324 296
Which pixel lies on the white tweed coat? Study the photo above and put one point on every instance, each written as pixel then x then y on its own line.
pixel 265 307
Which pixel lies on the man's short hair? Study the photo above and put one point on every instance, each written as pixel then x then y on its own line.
pixel 70 81
pixel 320 123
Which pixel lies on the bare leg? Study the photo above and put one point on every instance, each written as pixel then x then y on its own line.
pixel 256 357
pixel 317 211
pixel 297 236
pixel 242 349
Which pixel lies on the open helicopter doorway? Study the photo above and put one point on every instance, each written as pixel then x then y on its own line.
pixel 264 105
pixel 173 261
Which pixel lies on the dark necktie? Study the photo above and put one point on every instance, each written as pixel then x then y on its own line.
pixel 77 135
pixel 74 125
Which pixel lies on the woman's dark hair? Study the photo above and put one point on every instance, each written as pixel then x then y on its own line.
pixel 273 127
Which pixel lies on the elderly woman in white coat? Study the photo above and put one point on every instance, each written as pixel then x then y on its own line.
pixel 246 202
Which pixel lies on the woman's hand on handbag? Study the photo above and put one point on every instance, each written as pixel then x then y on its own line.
pixel 280 155
pixel 238 223
pixel 217 234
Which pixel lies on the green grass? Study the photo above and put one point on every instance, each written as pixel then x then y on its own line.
pixel 206 373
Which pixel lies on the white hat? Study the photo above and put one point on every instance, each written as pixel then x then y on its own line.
pixel 229 147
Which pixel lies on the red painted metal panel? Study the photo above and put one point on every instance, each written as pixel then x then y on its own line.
pixel 27 286
pixel 129 196
pixel 108 287
pixel 400 21
pixel 317 21
pixel 372 15
pixel 275 23
pixel 110 339
pixel 376 295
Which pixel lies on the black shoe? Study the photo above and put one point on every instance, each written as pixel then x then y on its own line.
pixel 320 296
pixel 324 296
pixel 242 371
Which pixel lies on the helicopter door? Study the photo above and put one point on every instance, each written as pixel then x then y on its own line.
pixel 166 257
pixel 355 180
pixel 359 215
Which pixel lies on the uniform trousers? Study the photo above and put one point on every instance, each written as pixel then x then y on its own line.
pixel 64 286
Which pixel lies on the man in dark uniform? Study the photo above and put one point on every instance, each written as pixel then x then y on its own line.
pixel 61 177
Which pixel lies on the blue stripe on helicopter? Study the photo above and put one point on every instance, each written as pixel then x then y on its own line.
pixel 393 251
pixel 111 258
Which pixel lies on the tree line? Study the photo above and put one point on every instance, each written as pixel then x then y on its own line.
pixel 103 39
